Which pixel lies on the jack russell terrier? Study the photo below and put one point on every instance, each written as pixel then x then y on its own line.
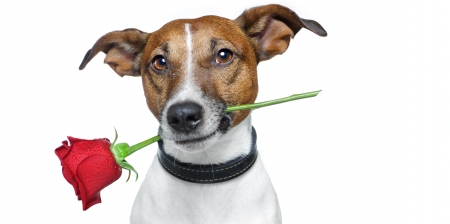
pixel 207 169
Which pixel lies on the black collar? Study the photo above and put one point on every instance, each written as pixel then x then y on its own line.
pixel 208 174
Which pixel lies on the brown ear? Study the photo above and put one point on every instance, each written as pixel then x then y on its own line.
pixel 123 50
pixel 271 27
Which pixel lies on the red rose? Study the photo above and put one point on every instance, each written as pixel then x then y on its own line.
pixel 89 166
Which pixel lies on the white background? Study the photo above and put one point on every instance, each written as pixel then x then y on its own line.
pixel 373 147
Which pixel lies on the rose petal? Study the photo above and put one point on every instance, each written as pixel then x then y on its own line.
pixel 81 149
pixel 72 180
pixel 73 139
pixel 79 152
pixel 93 174
pixel 62 150
pixel 89 147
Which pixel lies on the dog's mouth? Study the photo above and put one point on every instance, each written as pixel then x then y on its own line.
pixel 224 125
pixel 195 140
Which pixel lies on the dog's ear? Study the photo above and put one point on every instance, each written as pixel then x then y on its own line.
pixel 123 50
pixel 271 27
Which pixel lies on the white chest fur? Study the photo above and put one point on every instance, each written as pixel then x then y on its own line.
pixel 249 198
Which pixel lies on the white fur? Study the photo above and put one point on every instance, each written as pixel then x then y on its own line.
pixel 162 198
pixel 249 198
pixel 189 49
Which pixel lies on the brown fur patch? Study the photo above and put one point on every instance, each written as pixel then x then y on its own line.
pixel 231 84
pixel 258 34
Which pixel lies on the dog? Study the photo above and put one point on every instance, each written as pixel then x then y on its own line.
pixel 207 169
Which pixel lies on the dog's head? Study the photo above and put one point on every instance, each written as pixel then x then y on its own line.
pixel 192 69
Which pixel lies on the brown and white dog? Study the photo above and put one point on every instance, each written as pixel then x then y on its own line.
pixel 191 70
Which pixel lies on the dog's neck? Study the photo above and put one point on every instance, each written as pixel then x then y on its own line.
pixel 233 144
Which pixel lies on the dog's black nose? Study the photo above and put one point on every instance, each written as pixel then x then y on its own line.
pixel 185 116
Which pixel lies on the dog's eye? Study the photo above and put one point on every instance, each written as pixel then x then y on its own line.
pixel 224 56
pixel 159 63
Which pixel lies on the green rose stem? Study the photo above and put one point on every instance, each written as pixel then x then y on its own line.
pixel 272 102
pixel 122 150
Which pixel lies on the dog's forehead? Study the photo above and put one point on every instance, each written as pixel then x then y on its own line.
pixel 202 30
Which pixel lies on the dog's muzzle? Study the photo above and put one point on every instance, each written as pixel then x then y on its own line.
pixel 186 117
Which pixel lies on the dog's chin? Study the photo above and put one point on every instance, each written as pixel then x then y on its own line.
pixel 197 144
